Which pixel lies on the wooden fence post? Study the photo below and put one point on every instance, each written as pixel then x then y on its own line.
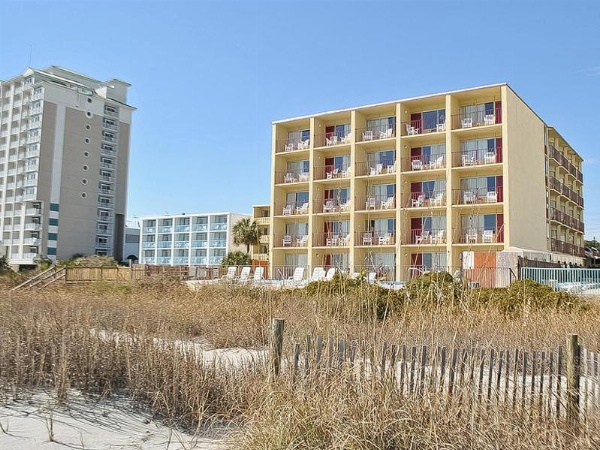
pixel 276 347
pixel 573 374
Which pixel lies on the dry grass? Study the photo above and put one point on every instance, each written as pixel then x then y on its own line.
pixel 102 339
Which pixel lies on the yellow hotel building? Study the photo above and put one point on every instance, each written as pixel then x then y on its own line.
pixel 438 182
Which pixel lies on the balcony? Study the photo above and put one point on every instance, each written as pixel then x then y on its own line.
pixel 375 202
pixel 32 153
pixel 377 238
pixel 108 151
pixel 107 165
pixel 182 244
pixel 109 138
pixel 263 220
pixel 107 205
pixel 33 139
pixel 182 228
pixel 218 227
pixel 100 244
pixel 375 133
pixel 164 244
pixel 181 260
pixel 148 260
pixel 291 177
pixel 419 236
pixel 260 256
pixel 148 244
pixel 218 244
pixel 335 205
pixel 215 260
pixel 373 169
pixel 199 244
pixel 33 226
pixel 565 219
pixel 198 260
pixel 103 230
pixel 333 139
pixel 480 236
pixel 476 196
pixel 30 255
pixel 430 199
pixel 420 126
pixel 564 190
pixel 560 246
pixel 564 162
pixel 331 239
pixel 478 157
pixel 200 227
pixel 264 239
pixel 291 240
pixel 291 145
pixel 33 212
pixel 149 230
pixel 31 241
pixel 422 163
pixel 110 126
pixel 477 119
pixel 165 229
pixel 108 111
pixel 163 260
pixel 107 178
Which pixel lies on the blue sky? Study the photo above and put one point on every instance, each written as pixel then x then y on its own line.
pixel 209 77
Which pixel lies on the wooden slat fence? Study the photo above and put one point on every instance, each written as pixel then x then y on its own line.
pixel 86 274
pixel 515 378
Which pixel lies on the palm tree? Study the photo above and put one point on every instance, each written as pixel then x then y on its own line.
pixel 245 232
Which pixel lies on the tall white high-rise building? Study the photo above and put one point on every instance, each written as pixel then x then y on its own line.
pixel 64 156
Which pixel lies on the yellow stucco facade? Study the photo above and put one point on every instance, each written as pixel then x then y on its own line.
pixel 412 185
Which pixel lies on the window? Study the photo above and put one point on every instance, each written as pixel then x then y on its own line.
pixel 297 229
pixel 298 167
pixel 478 148
pixel 132 238
pixel 297 198
pixel 381 226
pixel 385 157
pixel 52 236
pixel 298 136
pixel 53 206
pixel 381 125
pixel 53 222
pixel 341 131
pixel 51 251
pixel 381 191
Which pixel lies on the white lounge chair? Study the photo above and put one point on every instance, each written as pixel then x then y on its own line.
pixel 302 241
pixel 489 119
pixel 438 200
pixel 297 279
pixel 244 274
pixel 287 241
pixel 230 275
pixel 330 274
pixel 258 274
pixel 416 164
pixel 423 237
pixel 467 122
pixel 370 203
pixel 287 210
pixel 471 236
pixel 487 236
pixel 302 209
pixel 411 131
pixel 367 135
pixel 491 197
pixel 347 139
pixel 318 274
pixel 418 202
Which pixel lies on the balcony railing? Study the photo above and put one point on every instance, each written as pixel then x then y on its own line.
pixel 164 244
pixel 291 145
pixel 331 173
pixel 33 212
pixel 263 220
pixel 477 157
pixel 475 196
pixel 291 240
pixel 200 227
pixel 375 133
pixel 198 260
pixel 264 239
pixel 375 202
pixel 165 229
pixel 477 119
pixel 560 187
pixel 199 244
pixel 420 126
pixel 560 246
pixel 370 238
pixel 33 226
pixel 429 199
pixel 373 168
pixel 421 162
pixel 480 236
pixel 218 226
pixel 103 230
pixel 181 259
pixel 31 241
pixel 148 244
pixel 182 228
pixel 563 161
pixel 291 209
pixel 149 230
pixel 565 219
pixel 291 177
pixel 334 205
pixel 331 139
pixel 102 245
pixel 148 260
pixel 182 244
pixel 109 126
pixel 110 112
pixel 331 239
pixel 419 236
pixel 109 138
pixel 163 260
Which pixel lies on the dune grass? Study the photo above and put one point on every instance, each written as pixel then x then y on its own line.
pixel 107 339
